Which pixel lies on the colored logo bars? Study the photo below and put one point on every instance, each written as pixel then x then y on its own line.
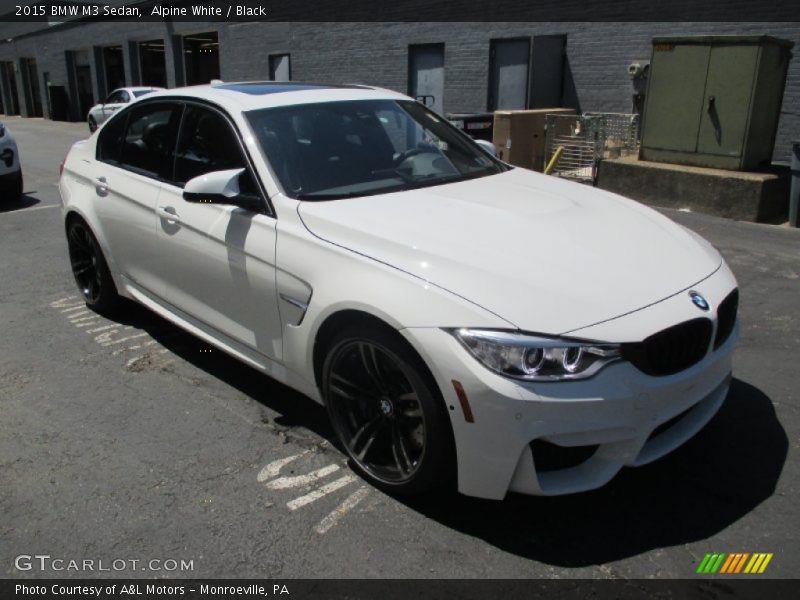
pixel 731 564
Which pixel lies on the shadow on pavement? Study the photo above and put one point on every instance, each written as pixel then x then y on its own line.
pixel 24 201
pixel 716 478
pixel 294 408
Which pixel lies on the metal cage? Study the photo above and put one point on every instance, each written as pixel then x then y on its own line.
pixel 587 139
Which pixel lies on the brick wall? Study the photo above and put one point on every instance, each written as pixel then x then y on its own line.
pixel 598 54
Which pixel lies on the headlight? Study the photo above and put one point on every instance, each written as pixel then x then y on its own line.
pixel 535 358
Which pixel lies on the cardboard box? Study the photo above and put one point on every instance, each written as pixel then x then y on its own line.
pixel 519 136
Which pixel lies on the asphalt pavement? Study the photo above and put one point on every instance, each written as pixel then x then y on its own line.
pixel 129 440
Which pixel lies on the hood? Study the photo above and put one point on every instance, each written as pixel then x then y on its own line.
pixel 547 255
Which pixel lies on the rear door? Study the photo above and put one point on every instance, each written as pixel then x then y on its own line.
pixel 218 261
pixel 134 154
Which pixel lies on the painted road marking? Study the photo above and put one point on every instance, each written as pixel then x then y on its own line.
pixel 320 492
pixel 283 483
pixel 106 333
pixel 274 468
pixel 270 477
pixel 340 511
pixel 24 210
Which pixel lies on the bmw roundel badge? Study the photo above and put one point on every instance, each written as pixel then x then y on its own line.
pixel 699 301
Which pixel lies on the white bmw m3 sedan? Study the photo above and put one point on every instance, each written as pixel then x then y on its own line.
pixel 462 320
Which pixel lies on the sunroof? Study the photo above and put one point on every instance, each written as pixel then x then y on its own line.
pixel 261 88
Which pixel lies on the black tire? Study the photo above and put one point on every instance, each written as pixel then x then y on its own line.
pixel 16 191
pixel 90 269
pixel 387 412
pixel 92 124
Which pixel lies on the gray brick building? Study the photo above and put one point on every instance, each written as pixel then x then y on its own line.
pixel 56 71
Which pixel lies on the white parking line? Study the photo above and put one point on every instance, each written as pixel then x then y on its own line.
pixel 76 307
pixel 283 483
pixel 349 503
pixel 273 468
pixel 320 492
pixel 89 323
pixel 119 341
pixel 24 210
pixel 104 328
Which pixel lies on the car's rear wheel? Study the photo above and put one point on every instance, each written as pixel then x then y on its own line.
pixel 92 124
pixel 90 269
pixel 387 412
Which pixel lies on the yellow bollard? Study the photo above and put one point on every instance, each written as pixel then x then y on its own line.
pixel 554 160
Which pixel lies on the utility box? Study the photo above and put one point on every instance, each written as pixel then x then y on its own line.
pixel 519 136
pixel 714 101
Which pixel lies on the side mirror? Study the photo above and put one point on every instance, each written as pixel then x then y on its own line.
pixel 220 187
pixel 488 147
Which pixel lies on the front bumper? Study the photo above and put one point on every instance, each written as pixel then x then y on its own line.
pixel 632 418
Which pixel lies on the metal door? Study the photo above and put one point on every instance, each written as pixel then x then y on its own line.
pixel 547 71
pixel 508 74
pixel 727 100
pixel 675 97
pixel 426 75
pixel 280 67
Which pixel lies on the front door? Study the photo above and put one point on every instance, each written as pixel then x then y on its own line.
pixel 218 261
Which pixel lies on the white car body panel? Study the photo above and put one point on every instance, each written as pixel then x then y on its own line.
pixel 500 241
pixel 511 251
pixel 8 143
pixel 102 111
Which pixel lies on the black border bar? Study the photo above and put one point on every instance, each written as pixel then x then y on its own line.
pixel 752 588
pixel 404 10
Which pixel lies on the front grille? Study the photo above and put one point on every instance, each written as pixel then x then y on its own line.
pixel 672 350
pixel 552 457
pixel 726 318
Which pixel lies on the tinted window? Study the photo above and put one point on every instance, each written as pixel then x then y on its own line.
pixel 109 142
pixel 207 143
pixel 140 93
pixel 149 143
pixel 118 97
pixel 346 149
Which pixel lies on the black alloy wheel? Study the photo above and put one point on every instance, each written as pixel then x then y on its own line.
pixel 89 268
pixel 386 414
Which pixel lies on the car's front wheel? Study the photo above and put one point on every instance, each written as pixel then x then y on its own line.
pixel 90 269
pixel 387 412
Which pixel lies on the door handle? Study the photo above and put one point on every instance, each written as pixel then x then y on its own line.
pixel 168 213
pixel 101 186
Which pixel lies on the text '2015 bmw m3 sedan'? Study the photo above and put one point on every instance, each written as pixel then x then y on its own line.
pixel 461 319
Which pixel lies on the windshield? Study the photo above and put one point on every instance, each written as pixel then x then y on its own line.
pixel 139 93
pixel 337 150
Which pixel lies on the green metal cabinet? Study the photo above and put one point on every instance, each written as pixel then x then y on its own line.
pixel 714 101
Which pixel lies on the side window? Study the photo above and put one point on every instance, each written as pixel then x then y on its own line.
pixel 122 97
pixel 149 143
pixel 109 142
pixel 207 143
